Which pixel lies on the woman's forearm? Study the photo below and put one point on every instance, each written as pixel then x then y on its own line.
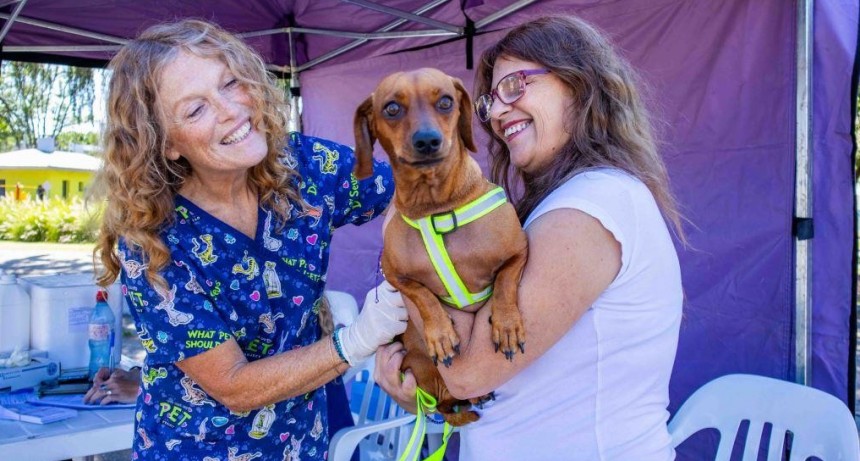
pixel 296 372
pixel 242 386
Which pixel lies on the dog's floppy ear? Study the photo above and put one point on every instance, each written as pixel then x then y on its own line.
pixel 464 123
pixel 364 139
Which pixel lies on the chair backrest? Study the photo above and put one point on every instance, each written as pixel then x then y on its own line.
pixel 375 404
pixel 378 415
pixel 820 424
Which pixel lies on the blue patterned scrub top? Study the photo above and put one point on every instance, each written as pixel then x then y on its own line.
pixel 262 292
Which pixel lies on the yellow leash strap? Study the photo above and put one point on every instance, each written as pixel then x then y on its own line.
pixel 439 454
pixel 425 403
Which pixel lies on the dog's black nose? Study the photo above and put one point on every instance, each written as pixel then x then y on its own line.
pixel 426 142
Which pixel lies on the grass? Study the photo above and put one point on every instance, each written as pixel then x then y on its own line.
pixel 53 220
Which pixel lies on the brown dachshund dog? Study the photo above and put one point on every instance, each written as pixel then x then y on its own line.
pixel 423 120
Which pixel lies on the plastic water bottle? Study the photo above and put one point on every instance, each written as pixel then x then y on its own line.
pixel 101 335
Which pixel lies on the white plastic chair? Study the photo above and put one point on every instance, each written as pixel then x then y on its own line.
pixel 379 415
pixel 821 425
pixel 377 412
pixel 382 429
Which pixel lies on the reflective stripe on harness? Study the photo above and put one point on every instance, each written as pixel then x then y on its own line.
pixel 434 226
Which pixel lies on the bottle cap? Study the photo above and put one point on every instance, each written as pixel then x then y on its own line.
pixel 101 296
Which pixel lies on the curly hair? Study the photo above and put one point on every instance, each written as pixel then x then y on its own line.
pixel 608 124
pixel 137 179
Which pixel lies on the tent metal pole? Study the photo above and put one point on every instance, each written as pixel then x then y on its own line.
pixel 67 30
pixel 803 194
pixel 60 48
pixel 378 35
pixel 277 68
pixel 11 20
pixel 405 15
pixel 503 12
pixel 260 33
pixel 334 53
pixel 348 34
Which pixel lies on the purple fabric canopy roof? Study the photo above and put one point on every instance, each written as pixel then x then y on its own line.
pixel 109 22
pixel 721 79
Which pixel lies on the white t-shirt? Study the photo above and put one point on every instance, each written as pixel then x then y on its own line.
pixel 600 393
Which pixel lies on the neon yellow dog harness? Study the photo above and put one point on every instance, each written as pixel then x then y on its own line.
pixel 432 229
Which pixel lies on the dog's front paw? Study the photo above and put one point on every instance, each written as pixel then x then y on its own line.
pixel 508 333
pixel 442 342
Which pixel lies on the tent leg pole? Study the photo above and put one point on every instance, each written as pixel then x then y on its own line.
pixel 803 196
pixel 295 95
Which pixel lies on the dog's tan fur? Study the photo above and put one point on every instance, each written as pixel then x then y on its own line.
pixel 491 250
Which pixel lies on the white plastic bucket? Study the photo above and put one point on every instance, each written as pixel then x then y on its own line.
pixel 14 315
pixel 61 307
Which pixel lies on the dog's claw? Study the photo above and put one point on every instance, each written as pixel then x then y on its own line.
pixel 480 401
pixel 457 349
pixel 509 355
pixel 490 318
pixel 496 345
pixel 435 361
pixel 447 361
pixel 522 347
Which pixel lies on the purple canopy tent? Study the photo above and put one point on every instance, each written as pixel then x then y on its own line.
pixel 754 101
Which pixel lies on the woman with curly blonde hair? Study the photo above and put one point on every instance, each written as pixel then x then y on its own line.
pixel 219 225
pixel 601 293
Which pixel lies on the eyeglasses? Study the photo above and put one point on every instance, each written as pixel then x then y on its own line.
pixel 509 89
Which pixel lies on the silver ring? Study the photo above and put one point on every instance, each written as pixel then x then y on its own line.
pixel 109 392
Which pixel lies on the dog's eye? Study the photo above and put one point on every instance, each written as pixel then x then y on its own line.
pixel 392 109
pixel 445 103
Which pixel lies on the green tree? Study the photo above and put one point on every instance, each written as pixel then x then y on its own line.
pixel 65 140
pixel 38 100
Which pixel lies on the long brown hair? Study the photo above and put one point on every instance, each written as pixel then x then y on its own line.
pixel 609 125
pixel 138 180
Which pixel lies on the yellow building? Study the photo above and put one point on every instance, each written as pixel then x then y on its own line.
pixel 61 174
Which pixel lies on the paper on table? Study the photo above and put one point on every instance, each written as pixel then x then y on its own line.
pixel 15 406
pixel 75 401
pixel 10 398
pixel 35 414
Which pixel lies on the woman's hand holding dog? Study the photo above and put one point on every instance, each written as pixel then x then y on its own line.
pixel 381 319
pixel 386 373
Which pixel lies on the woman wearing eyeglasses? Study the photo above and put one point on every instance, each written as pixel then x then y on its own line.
pixel 601 295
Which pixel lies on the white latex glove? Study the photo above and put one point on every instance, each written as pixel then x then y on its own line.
pixel 377 324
